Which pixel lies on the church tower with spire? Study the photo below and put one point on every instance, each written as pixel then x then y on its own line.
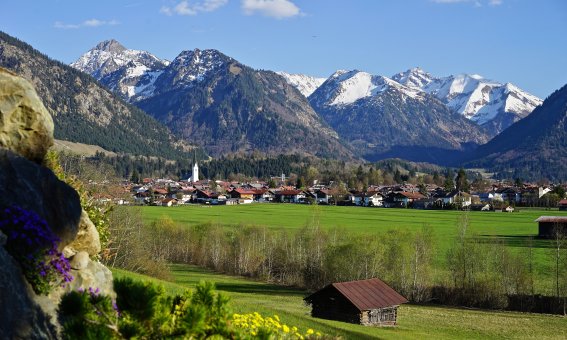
pixel 195 175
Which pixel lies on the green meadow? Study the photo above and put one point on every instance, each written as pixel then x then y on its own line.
pixel 414 322
pixel 354 219
pixel 514 229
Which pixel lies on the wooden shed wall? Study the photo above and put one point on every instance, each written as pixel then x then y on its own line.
pixel 546 229
pixel 330 304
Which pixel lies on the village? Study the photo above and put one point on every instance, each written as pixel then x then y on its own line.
pixel 499 197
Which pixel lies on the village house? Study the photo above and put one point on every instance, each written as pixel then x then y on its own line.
pixel 373 199
pixel 188 194
pixel 402 199
pixel 562 205
pixel 459 198
pixel 323 196
pixel 142 197
pixel 168 202
pixel 290 196
pixel 368 302
pixel 510 194
pixel 531 195
pixel 263 195
pixel 355 197
pixel 243 193
pixel 205 196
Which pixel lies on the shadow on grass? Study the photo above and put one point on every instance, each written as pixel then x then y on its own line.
pixel 186 274
pixel 522 241
pixel 259 288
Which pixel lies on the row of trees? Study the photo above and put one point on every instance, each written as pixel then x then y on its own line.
pixel 299 170
pixel 477 272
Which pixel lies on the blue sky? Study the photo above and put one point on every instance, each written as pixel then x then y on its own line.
pixel 518 41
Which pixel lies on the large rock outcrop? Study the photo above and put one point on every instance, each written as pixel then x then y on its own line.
pixel 87 239
pixel 26 133
pixel 33 187
pixel 25 125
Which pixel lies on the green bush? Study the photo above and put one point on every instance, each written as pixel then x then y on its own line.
pixel 143 310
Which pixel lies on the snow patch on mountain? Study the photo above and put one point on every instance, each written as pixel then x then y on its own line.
pixel 130 73
pixel 478 99
pixel 304 83
pixel 346 87
pixel 193 66
pixel 108 56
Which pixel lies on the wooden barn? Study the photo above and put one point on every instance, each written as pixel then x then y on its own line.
pixel 548 224
pixel 368 302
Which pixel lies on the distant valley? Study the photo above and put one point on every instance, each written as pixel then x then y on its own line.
pixel 208 99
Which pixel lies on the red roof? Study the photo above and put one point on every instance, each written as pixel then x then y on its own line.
pixel 245 191
pixel 290 192
pixel 552 219
pixel 563 202
pixel 367 294
pixel 412 195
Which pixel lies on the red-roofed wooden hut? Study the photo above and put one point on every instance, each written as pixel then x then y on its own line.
pixel 549 225
pixel 368 302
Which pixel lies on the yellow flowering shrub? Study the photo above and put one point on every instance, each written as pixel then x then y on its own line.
pixel 257 326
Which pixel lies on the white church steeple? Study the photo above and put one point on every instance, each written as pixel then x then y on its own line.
pixel 195 175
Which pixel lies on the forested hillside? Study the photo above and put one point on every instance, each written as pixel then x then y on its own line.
pixel 84 111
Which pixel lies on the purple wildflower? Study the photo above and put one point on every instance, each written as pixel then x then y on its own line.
pixel 32 243
pixel 115 307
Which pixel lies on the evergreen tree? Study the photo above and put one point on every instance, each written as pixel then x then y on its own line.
pixel 398 177
pixel 462 183
pixel 449 183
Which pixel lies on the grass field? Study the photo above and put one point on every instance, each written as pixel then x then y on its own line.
pixel 414 322
pixel 513 228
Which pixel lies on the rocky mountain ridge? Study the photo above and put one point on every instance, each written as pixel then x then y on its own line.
pixel 208 98
pixel 385 119
pixel 532 148
pixel 488 103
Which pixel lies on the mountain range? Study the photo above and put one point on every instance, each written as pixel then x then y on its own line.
pixel 207 98
pixel 385 119
pixel 488 103
pixel 210 99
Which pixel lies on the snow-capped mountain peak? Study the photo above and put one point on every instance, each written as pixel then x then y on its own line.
pixel 130 73
pixel 193 65
pixel 109 56
pixel 346 87
pixel 414 78
pixel 304 83
pixel 481 100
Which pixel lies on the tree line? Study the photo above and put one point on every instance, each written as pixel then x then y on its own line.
pixel 478 272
